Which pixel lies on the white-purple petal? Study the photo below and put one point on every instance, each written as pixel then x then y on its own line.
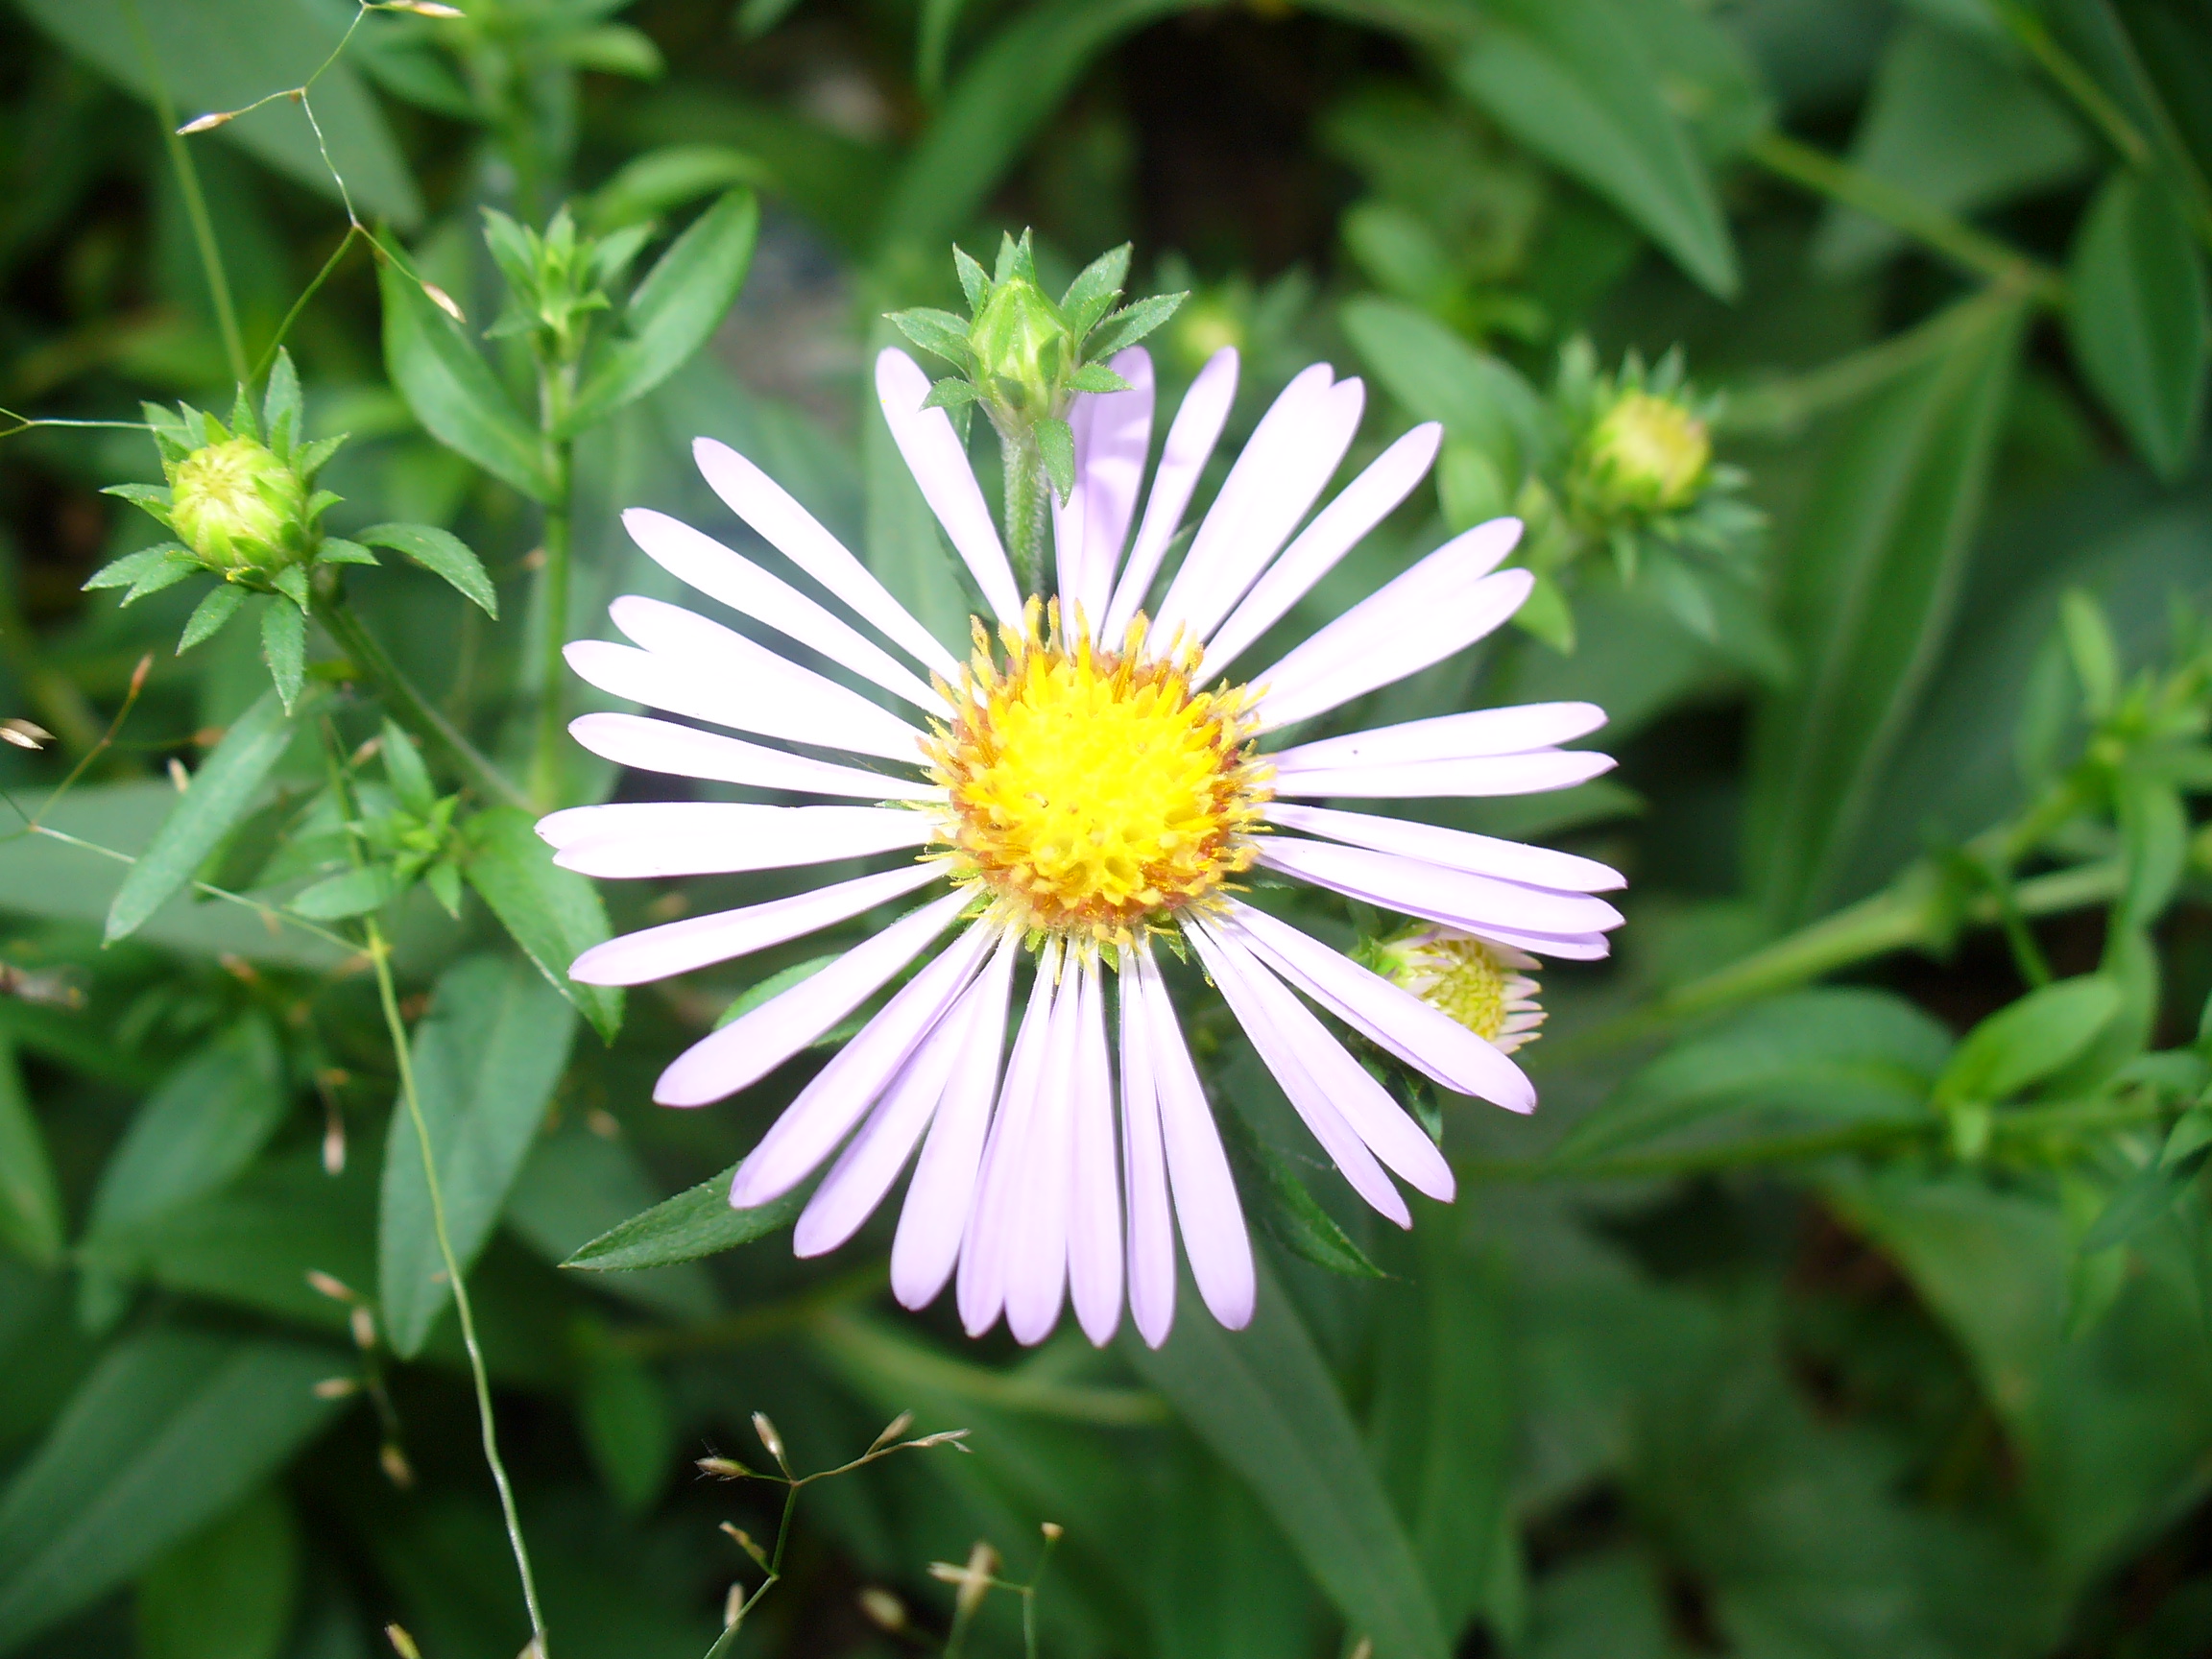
pixel 1144 1162
pixel 1043 1176
pixel 986 1249
pixel 790 528
pixel 1418 888
pixel 1477 777
pixel 649 745
pixel 1112 432
pixel 1190 440
pixel 833 1100
pixel 723 573
pixel 1336 530
pixel 1453 848
pixel 1393 1018
pixel 697 941
pixel 646 839
pixel 940 466
pixel 758 1041
pixel 1515 730
pixel 1094 1208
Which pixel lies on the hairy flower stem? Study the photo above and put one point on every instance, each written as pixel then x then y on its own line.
pixel 195 201
pixel 409 706
pixel 380 958
pixel 1028 501
pixel 545 768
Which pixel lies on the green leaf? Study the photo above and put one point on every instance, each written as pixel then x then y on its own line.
pixel 2141 1200
pixel 442 553
pixel 284 648
pixel 208 1121
pixel 1282 1207
pixel 227 1591
pixel 1131 324
pixel 488 1057
pixel 1056 445
pixel 1097 377
pixel 1485 406
pixel 222 793
pixel 576 1185
pixel 951 393
pixel 1870 587
pixel 208 617
pixel 2139 318
pixel 135 567
pixel 1958 125
pixel 281 407
pixel 554 914
pixel 1095 288
pixel 1836 1056
pixel 629 1429
pixel 694 1223
pixel 403 766
pixel 337 550
pixel 31 1220
pixel 650 184
pixel 217 55
pixel 1568 79
pixel 348 894
pixel 2154 835
pixel 974 281
pixel 2028 1039
pixel 939 334
pixel 674 311
pixel 451 388
pixel 171 1429
pixel 1266 1405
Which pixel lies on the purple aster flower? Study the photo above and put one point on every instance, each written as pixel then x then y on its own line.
pixel 1083 790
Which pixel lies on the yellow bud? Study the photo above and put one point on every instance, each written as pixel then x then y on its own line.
pixel 235 505
pixel 1646 454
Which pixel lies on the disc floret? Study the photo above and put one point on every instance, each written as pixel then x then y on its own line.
pixel 1092 793
pixel 1480 983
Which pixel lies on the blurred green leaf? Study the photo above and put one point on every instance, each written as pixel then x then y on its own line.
pixel 350 893
pixel 2027 1041
pixel 451 388
pixel 1871 581
pixel 228 1590
pixel 674 310
pixel 170 1431
pixel 629 1429
pixel 1481 402
pixel 217 55
pixel 1263 1400
pixel 1569 79
pixel 1832 1056
pixel 2141 1199
pixel 209 1118
pixel 554 914
pixel 1959 124
pixel 696 1222
pixel 2137 314
pixel 1282 1205
pixel 31 1221
pixel 676 173
pixel 442 553
pixel 488 1057
pixel 223 792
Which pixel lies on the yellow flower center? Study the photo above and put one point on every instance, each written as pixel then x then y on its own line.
pixel 1090 793
pixel 1651 452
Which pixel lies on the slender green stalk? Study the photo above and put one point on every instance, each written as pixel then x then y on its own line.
pixel 409 706
pixel 1974 251
pixel 545 762
pixel 380 958
pixel 283 329
pixel 195 202
pixel 1028 498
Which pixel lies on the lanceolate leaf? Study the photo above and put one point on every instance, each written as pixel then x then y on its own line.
pixel 171 1429
pixel 1870 587
pixel 1480 400
pixel 487 1058
pixel 30 1204
pixel 2137 315
pixel 223 791
pixel 1263 1400
pixel 451 388
pixel 284 648
pixel 554 914
pixel 680 302
pixel 442 553
pixel 696 1222
pixel 1566 78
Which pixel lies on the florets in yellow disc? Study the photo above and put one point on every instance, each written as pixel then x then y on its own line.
pixel 1091 793
pixel 1480 983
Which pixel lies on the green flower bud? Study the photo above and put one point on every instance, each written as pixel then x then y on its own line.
pixel 237 506
pixel 1024 349
pixel 1646 455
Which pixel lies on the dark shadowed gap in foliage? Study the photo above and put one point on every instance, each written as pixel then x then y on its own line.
pixel 1689 769
pixel 1223 104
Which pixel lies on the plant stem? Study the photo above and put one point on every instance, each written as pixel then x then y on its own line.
pixel 1028 492
pixel 409 706
pixel 380 956
pixel 1974 251
pixel 195 202
pixel 545 768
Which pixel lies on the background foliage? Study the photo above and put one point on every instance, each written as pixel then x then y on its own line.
pixel 1850 1295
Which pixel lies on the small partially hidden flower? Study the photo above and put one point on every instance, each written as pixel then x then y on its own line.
pixel 1646 455
pixel 1479 982
pixel 236 505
